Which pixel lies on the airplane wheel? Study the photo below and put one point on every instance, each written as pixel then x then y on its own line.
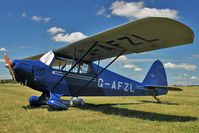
pixel 50 108
pixel 34 104
pixel 34 101
pixel 77 101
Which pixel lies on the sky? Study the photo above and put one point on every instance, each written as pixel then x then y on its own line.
pixel 30 27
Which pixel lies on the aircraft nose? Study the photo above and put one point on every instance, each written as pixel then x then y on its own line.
pixel 22 70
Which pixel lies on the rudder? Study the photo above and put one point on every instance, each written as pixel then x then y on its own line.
pixel 156 75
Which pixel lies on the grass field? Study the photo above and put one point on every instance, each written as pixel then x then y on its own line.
pixel 179 112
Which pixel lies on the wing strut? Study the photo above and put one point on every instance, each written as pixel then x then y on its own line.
pixel 73 57
pixel 76 93
pixel 98 65
pixel 80 59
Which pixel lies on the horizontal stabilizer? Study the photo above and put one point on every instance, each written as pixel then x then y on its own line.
pixel 164 87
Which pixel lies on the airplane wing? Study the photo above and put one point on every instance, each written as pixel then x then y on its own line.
pixel 136 37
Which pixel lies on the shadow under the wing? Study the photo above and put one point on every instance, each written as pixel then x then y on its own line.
pixel 110 109
pixel 167 103
pixel 27 107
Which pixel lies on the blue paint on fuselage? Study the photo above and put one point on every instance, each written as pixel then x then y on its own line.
pixel 38 76
pixel 41 77
pixel 29 73
pixel 114 84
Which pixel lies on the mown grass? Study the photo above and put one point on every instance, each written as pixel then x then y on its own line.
pixel 178 112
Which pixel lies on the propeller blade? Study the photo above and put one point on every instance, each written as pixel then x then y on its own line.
pixel 9 67
pixel 7 60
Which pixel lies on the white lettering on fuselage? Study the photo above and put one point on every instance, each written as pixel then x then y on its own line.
pixel 116 85
pixel 100 82
pixel 119 85
pixel 131 88
pixel 126 86
pixel 113 85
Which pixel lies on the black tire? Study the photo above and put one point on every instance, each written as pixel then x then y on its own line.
pixel 34 104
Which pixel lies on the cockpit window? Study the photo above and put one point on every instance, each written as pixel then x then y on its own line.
pixel 66 64
pixel 47 58
pixel 63 63
pixel 83 68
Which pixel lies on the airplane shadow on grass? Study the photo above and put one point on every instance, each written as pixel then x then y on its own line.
pixel 28 107
pixel 167 103
pixel 110 109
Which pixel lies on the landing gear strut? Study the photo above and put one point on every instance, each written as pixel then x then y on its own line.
pixel 35 101
pixel 154 94
pixel 158 100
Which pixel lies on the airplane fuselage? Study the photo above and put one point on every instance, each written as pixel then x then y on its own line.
pixel 42 78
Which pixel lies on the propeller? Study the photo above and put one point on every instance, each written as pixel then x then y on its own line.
pixel 8 65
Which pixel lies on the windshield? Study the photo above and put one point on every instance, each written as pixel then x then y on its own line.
pixel 47 58
pixel 63 63
pixel 66 64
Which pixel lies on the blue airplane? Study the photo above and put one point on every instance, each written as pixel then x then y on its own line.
pixel 70 71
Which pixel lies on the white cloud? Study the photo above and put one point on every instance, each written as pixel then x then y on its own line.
pixel 186 75
pixel 178 77
pixel 138 69
pixel 125 59
pixel 182 83
pixel 128 66
pixel 55 30
pixel 196 56
pixel 131 66
pixel 108 16
pixel 183 76
pixel 2 60
pixel 24 47
pixel 194 77
pixel 21 47
pixel 185 79
pixel 101 11
pixel 3 50
pixel 36 18
pixel 137 10
pixel 39 18
pixel 180 66
pixel 122 58
pixel 75 36
pixel 47 19
pixel 23 14
pixel 61 37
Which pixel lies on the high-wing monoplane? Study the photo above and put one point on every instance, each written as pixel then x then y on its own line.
pixel 70 71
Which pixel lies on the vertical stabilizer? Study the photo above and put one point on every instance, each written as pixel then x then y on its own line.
pixel 156 75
